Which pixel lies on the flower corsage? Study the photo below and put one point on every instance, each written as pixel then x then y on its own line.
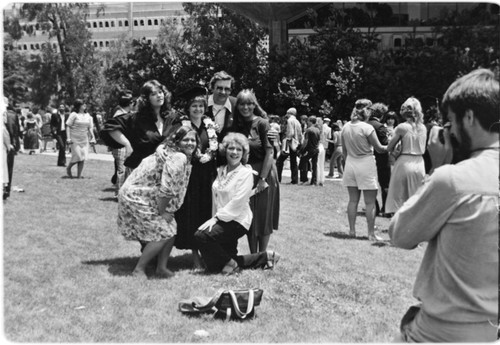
pixel 213 144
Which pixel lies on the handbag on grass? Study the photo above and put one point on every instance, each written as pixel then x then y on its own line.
pixel 228 304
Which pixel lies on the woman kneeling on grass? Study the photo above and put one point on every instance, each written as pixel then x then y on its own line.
pixel 231 191
pixel 150 196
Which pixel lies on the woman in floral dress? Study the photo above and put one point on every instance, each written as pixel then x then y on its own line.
pixel 79 127
pixel 197 206
pixel 151 195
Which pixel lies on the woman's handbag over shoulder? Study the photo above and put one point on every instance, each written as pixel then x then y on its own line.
pixel 228 304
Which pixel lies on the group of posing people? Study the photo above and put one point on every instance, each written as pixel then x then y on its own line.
pixel 455 209
pixel 198 178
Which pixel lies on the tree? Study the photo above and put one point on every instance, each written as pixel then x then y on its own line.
pixel 44 69
pixel 311 63
pixel 188 53
pixel 78 70
pixel 16 78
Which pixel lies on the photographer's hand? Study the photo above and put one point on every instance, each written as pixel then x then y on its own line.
pixel 439 146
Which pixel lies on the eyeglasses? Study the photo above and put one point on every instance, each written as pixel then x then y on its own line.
pixel 223 89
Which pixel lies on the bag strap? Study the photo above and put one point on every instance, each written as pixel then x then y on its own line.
pixel 211 303
pixel 236 307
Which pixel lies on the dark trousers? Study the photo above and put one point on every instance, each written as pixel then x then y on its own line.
pixel 10 170
pixel 293 165
pixel 220 245
pixel 61 143
pixel 312 158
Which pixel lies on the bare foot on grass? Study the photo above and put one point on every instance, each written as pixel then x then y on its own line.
pixel 139 274
pixel 164 273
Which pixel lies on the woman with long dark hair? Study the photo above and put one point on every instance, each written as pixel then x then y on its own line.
pixel 142 131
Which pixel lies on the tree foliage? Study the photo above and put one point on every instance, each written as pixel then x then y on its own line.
pixel 72 71
pixel 312 62
pixel 16 78
pixel 190 52
pixel 319 65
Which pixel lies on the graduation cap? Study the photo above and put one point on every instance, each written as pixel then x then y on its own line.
pixel 125 98
pixel 192 92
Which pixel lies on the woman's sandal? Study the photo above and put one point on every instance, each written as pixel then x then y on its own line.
pixel 272 259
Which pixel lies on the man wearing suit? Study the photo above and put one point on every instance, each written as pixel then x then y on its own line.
pixel 309 152
pixel 13 128
pixel 221 105
pixel 58 127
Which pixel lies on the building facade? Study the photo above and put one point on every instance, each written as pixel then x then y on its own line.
pixel 118 21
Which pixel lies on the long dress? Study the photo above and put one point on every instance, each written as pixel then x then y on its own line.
pixel 266 204
pixel 197 206
pixel 46 130
pixel 409 169
pixel 138 216
pixel 31 136
pixel 79 124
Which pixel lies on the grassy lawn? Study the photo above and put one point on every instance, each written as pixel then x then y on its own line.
pixel 66 271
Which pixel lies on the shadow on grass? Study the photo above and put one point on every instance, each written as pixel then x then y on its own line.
pixel 109 198
pixel 124 266
pixel 109 189
pixel 345 236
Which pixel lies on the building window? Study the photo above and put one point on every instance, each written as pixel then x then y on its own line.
pixel 156 21
pixel 95 44
pixel 113 24
pixel 25 47
pixel 89 25
pixel 149 41
pixel 107 44
pixel 126 23
pixel 32 47
pixel 119 23
pixel 54 46
pixel 101 44
pixel 135 23
pixel 150 22
pixel 37 46
pixel 106 24
pixel 397 42
pixel 142 22
pixel 100 24
pixel 95 25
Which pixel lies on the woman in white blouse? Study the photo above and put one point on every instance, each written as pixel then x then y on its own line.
pixel 231 191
